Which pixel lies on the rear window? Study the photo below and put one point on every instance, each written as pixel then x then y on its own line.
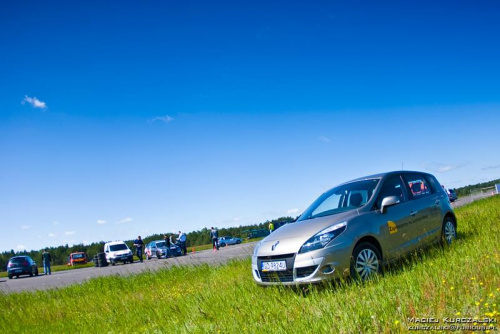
pixel 78 256
pixel 18 260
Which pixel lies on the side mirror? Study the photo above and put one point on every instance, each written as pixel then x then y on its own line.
pixel 387 202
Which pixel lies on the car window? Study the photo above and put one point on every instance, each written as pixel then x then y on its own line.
pixel 160 244
pixel 117 247
pixel 418 185
pixel 393 186
pixel 342 198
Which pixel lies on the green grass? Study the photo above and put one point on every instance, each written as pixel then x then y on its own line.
pixel 460 281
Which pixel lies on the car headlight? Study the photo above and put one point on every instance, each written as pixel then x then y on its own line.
pixel 322 238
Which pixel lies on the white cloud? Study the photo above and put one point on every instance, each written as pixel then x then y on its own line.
pixel 20 247
pixel 292 211
pixel 26 227
pixel 165 119
pixel 491 167
pixel 443 168
pixel 36 103
pixel 125 220
pixel 101 221
pixel 52 235
pixel 324 138
pixel 69 232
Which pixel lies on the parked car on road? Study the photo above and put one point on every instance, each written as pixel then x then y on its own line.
pixel 21 265
pixel 159 249
pixel 77 258
pixel 452 195
pixel 223 241
pixel 356 228
pixel 118 251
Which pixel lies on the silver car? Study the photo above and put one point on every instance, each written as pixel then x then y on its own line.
pixel 356 228
pixel 159 249
pixel 224 241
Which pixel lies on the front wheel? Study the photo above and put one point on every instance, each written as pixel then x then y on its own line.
pixel 366 261
pixel 449 231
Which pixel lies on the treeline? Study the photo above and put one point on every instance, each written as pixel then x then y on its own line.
pixel 467 190
pixel 60 254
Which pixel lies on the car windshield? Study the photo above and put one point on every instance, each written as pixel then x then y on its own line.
pixel 340 199
pixel 160 244
pixel 118 247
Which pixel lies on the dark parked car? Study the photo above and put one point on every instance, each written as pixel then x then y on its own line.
pixel 21 265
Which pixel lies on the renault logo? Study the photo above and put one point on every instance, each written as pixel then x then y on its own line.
pixel 274 246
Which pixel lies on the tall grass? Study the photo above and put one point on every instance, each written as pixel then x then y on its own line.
pixel 460 281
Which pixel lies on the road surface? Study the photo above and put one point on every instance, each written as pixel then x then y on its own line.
pixel 67 277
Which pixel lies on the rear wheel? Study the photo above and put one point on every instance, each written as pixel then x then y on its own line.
pixel 10 276
pixel 366 261
pixel 449 231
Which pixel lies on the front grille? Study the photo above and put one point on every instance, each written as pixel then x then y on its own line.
pixel 305 271
pixel 276 276
pixel 276 257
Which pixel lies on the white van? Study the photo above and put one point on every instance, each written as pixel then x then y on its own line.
pixel 118 251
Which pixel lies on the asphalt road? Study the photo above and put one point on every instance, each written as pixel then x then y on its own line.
pixel 67 277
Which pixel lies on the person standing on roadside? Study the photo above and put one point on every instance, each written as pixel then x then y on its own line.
pixel 167 245
pixel 182 239
pixel 214 235
pixel 139 245
pixel 46 262
pixel 271 227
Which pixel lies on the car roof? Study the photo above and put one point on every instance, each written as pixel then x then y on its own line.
pixel 382 175
pixel 114 242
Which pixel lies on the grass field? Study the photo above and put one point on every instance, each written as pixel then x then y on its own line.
pixel 462 281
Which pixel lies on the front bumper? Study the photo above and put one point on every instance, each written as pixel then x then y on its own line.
pixel 311 267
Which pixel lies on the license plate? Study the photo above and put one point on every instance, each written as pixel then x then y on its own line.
pixel 18 270
pixel 274 266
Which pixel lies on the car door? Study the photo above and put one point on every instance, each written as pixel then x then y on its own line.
pixel 425 200
pixel 396 234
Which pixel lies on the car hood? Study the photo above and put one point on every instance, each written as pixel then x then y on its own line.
pixel 289 238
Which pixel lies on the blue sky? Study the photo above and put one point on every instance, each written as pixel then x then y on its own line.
pixel 127 118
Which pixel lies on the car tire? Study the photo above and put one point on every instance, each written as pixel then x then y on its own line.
pixel 222 245
pixel 31 273
pixel 238 242
pixel 36 272
pixel 365 261
pixel 448 232
pixel 158 256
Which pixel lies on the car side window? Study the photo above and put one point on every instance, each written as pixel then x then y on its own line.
pixel 418 185
pixel 393 186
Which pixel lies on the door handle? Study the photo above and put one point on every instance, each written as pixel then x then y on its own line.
pixel 413 213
